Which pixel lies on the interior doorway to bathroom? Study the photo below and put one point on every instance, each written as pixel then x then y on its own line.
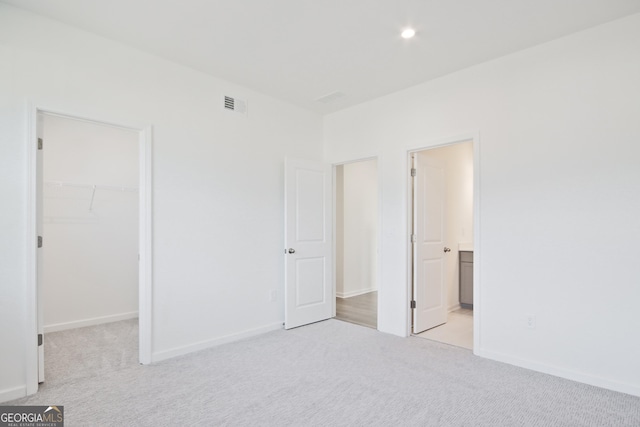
pixel 356 242
pixel 442 243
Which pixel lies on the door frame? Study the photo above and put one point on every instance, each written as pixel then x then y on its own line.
pixel 474 137
pixel 378 225
pixel 145 248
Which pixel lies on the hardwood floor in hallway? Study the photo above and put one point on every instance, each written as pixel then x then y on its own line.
pixel 361 309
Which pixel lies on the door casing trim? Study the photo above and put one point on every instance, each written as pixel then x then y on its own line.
pixel 474 137
pixel 145 237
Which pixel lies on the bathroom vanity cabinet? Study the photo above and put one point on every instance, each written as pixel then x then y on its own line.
pixel 466 279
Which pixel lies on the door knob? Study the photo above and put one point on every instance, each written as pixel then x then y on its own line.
pixel 446 249
pixel 292 251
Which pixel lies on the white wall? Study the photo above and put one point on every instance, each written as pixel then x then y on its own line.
pixel 457 161
pixel 559 143
pixel 357 228
pixel 90 272
pixel 217 181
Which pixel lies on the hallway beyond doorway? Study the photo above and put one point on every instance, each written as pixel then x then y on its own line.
pixel 361 309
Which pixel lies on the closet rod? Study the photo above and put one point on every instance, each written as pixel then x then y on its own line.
pixel 90 186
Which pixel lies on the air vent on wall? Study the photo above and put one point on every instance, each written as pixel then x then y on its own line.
pixel 230 103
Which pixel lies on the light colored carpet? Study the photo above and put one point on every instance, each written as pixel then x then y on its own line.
pixel 333 373
pixel 88 352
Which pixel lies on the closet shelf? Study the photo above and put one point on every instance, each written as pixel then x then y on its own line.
pixel 91 186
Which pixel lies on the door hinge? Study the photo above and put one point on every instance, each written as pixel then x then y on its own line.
pixel 40 339
pixel 413 172
pixel 413 304
pixel 39 143
pixel 39 241
pixel 414 238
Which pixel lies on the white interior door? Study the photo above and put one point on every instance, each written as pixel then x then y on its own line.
pixel 309 295
pixel 429 291
pixel 39 255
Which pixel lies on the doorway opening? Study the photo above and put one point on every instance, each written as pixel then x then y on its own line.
pixel 442 237
pixel 356 242
pixel 90 205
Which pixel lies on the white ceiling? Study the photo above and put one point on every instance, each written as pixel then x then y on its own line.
pixel 301 50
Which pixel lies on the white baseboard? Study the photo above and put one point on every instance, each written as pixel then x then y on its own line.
pixel 89 322
pixel 580 377
pixel 201 345
pixel 12 393
pixel 354 293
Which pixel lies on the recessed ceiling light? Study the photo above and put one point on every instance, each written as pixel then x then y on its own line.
pixel 408 33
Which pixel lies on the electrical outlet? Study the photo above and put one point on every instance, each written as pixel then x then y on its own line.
pixel 531 321
pixel 272 295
